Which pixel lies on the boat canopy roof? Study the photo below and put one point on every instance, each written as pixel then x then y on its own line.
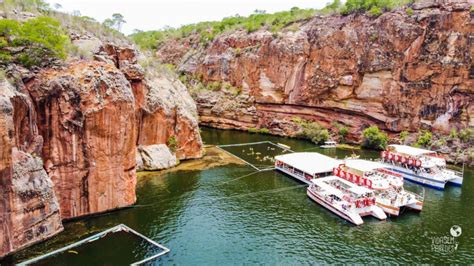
pixel 323 182
pixel 309 162
pixel 363 165
pixel 412 151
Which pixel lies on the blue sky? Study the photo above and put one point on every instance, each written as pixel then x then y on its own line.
pixel 152 15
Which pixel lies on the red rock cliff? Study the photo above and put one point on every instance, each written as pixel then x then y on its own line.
pixel 69 135
pixel 397 71
pixel 29 210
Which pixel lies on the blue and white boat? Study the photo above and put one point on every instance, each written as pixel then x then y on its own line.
pixel 420 166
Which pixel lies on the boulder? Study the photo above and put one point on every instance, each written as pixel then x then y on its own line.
pixel 157 157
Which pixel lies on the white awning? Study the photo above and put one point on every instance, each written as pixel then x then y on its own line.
pixel 408 150
pixel 309 162
pixel 363 165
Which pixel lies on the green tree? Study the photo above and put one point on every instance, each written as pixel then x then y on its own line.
pixel 403 136
pixel 424 139
pixel 109 23
pixel 118 20
pixel 314 132
pixel 47 32
pixel 373 138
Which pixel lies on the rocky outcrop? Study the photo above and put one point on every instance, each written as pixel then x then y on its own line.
pixel 156 157
pixel 29 210
pixel 398 71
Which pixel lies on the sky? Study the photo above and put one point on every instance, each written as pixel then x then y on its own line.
pixel 154 15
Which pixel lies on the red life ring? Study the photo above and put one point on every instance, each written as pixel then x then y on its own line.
pixel 357 203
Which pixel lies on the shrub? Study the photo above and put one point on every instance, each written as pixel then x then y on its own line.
pixel 214 86
pixel 466 135
pixel 409 11
pixel 375 11
pixel 403 136
pixel 424 139
pixel 343 131
pixel 312 131
pixel 172 144
pixel 42 38
pixel 453 134
pixel 373 138
pixel 260 131
pixel 374 7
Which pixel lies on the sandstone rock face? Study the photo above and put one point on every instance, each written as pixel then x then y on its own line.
pixel 396 71
pixel 29 210
pixel 88 126
pixel 164 109
pixel 156 157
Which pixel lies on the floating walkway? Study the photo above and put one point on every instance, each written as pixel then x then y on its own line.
pixel 252 157
pixel 115 229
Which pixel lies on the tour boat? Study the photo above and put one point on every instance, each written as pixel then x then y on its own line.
pixel 329 145
pixel 421 166
pixel 387 185
pixel 345 199
pixel 305 166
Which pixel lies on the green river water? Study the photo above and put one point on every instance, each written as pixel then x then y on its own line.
pixel 217 217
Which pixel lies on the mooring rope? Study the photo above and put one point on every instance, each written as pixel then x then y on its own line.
pixel 237 178
pixel 260 192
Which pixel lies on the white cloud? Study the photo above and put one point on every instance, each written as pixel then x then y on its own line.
pixel 153 15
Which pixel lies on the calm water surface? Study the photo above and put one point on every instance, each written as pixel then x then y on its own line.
pixel 226 216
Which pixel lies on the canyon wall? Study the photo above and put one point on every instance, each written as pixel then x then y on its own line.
pixel 29 209
pixel 404 70
pixel 69 135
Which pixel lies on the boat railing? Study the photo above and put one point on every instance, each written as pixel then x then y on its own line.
pixel 458 173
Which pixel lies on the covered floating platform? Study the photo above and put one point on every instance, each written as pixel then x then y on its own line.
pixel 305 166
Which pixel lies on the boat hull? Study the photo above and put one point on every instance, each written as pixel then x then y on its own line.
pixel 351 217
pixel 390 210
pixel 412 177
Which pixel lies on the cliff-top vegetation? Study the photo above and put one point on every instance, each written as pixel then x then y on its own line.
pixel 274 22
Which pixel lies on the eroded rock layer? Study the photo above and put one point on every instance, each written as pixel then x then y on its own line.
pixel 398 71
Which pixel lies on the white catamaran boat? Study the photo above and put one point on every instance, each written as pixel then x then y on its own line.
pixel 345 199
pixel 421 166
pixel 387 185
pixel 305 166
pixel 329 144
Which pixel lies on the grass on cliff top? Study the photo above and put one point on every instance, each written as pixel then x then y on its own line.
pixel 210 29
pixel 275 22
